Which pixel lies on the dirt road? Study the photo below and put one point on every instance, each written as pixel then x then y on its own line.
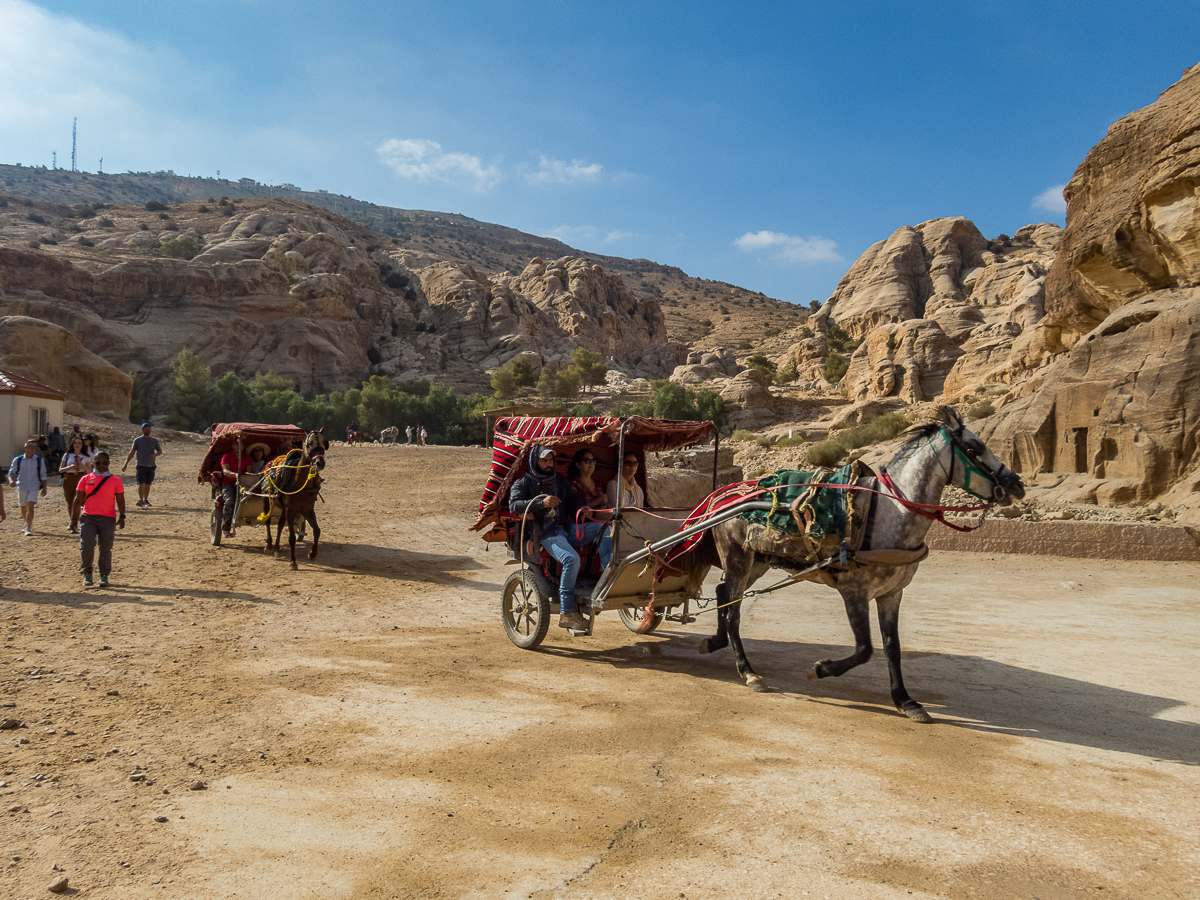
pixel 365 730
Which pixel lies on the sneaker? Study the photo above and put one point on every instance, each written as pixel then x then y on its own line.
pixel 573 621
pixel 103 581
pixel 28 532
pixel 145 503
pixel 87 579
pixel 140 503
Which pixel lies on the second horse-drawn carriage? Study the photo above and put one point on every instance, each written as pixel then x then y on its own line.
pixel 283 491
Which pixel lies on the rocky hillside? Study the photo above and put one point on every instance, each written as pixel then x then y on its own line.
pixel 278 285
pixel 696 309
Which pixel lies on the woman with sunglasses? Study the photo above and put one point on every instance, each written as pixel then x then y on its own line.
pixel 582 475
pixel 626 484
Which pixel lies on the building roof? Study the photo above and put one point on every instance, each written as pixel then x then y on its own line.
pixel 11 383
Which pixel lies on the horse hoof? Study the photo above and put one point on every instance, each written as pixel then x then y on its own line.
pixel 705 647
pixel 917 713
pixel 816 672
pixel 756 684
pixel 294 566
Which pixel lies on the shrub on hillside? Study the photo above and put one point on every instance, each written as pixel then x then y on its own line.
pixel 179 248
pixel 831 451
pixel 981 410
pixel 155 206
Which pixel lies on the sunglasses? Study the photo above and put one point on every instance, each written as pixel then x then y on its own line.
pixel 586 460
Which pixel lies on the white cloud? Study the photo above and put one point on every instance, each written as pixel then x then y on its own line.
pixel 424 160
pixel 786 248
pixel 555 171
pixel 617 236
pixel 1051 200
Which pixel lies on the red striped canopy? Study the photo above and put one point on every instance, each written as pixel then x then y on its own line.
pixel 566 434
pixel 225 437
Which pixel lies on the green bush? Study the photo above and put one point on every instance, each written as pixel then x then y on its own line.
pixel 981 410
pixel 155 206
pixel 36 218
pixel 835 368
pixel 179 248
pixel 829 452
pixel 584 409
pixel 742 434
pixel 106 223
pixel 784 443
pixel 787 375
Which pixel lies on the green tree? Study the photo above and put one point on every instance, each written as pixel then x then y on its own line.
pixel 189 392
pixel 835 367
pixel 231 400
pixel 710 407
pixel 564 384
pixel 504 383
pixel 590 366
pixel 522 370
pixel 759 361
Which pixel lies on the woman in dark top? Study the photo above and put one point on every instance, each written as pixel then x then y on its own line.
pixel 582 475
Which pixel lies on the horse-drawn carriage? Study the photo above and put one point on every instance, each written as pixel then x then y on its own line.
pixel 856 531
pixel 631 580
pixel 262 497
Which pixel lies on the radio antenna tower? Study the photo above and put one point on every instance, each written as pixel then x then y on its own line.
pixel 54 159
pixel 74 123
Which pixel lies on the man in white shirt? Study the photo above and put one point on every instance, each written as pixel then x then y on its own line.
pixel 28 475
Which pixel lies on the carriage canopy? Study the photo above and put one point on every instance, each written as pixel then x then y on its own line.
pixel 225 440
pixel 515 436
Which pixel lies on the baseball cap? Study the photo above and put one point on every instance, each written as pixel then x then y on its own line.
pixel 146 425
pixel 544 452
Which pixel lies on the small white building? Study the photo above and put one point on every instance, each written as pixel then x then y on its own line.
pixel 28 409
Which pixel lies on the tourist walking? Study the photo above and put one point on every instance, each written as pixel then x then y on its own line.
pixel 99 511
pixel 76 463
pixel 148 450
pixel 424 434
pixel 408 434
pixel 28 475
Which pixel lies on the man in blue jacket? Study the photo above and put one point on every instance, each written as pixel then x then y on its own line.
pixel 553 502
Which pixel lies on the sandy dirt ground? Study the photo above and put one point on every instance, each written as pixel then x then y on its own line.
pixel 364 729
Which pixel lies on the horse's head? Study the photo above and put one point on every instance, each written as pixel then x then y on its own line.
pixel 315 445
pixel 975 468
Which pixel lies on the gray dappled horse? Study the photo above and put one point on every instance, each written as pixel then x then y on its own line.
pixel 294 486
pixel 937 453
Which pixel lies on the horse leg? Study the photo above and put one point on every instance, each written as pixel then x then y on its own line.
pixel 278 529
pixel 311 517
pixel 721 638
pixel 292 540
pixel 734 626
pixel 889 627
pixel 858 612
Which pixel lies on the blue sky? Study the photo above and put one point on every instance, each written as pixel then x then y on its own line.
pixel 763 144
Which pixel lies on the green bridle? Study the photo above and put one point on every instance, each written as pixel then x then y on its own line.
pixel 970 466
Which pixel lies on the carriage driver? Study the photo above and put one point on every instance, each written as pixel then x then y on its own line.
pixel 232 466
pixel 553 502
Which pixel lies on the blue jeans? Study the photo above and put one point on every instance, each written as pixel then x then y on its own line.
pixel 561 545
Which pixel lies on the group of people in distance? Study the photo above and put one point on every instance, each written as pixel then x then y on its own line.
pixel 554 500
pixel 354 436
pixel 94 495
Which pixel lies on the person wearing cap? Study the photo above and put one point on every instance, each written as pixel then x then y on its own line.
pixel 553 503
pixel 148 450
pixel 99 511
pixel 27 474
pixel 258 458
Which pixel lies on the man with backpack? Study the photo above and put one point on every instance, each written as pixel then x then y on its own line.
pixel 28 475
pixel 99 497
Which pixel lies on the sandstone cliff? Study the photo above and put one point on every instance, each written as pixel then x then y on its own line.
pixel 1107 381
pixel 277 285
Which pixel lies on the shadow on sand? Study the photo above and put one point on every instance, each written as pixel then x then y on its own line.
pixel 979 694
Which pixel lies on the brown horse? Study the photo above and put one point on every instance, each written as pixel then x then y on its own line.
pixel 293 483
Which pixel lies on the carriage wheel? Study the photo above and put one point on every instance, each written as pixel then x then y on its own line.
pixel 631 618
pixel 214 527
pixel 526 611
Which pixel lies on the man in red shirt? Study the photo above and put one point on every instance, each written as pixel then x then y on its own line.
pixel 99 496
pixel 231 467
